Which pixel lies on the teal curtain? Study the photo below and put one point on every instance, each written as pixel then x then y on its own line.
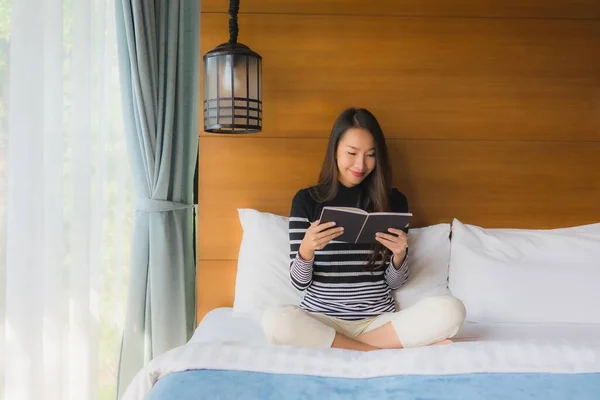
pixel 159 67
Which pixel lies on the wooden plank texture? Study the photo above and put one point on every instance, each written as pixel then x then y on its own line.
pixel 489 183
pixel 425 8
pixel 425 78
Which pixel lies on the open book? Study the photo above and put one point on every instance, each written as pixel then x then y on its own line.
pixel 361 226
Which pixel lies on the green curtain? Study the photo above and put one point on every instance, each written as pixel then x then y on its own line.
pixel 159 67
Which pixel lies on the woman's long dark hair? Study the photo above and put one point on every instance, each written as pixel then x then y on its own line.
pixel 376 185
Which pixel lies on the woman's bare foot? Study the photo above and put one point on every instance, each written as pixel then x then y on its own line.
pixel 447 341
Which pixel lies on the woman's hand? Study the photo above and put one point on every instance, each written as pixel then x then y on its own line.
pixel 397 243
pixel 318 236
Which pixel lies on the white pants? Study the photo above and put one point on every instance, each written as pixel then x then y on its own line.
pixel 431 320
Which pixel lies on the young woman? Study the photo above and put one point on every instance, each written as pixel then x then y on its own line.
pixel 348 302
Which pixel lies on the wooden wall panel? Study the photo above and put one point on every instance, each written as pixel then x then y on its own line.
pixel 489 183
pixel 425 8
pixel 491 108
pixel 426 78
pixel 216 285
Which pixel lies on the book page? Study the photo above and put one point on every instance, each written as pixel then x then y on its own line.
pixel 348 209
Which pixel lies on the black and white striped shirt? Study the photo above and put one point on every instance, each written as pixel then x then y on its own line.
pixel 335 280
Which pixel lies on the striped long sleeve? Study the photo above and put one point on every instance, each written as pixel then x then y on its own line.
pixel 396 277
pixel 335 279
pixel 301 271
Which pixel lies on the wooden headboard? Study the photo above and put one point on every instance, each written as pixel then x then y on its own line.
pixel 491 111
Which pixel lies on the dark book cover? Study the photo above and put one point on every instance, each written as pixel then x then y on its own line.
pixel 381 222
pixel 352 219
pixel 360 226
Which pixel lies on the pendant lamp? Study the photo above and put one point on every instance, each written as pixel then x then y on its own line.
pixel 232 85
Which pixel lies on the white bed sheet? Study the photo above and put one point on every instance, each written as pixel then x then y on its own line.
pixel 221 325
pixel 225 342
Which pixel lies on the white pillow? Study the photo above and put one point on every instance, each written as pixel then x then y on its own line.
pixel 428 258
pixel 263 264
pixel 263 278
pixel 527 276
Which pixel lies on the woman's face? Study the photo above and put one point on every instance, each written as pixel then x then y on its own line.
pixel 355 156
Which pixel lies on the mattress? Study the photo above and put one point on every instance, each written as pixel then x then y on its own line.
pixel 222 325
pixel 228 355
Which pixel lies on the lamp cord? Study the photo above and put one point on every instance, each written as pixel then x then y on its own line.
pixel 234 6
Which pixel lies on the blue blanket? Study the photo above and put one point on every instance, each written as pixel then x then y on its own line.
pixel 213 384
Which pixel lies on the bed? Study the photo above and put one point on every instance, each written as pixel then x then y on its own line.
pixel 521 339
pixel 228 358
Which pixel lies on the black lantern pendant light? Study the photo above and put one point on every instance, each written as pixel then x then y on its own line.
pixel 232 85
